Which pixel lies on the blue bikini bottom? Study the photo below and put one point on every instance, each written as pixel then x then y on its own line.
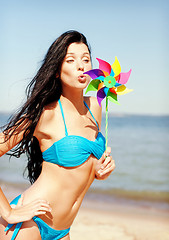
pixel 46 232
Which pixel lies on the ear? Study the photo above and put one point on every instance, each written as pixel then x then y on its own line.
pixel 57 75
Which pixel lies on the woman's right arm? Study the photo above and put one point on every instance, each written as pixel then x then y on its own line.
pixel 5 146
pixel 21 212
pixel 7 142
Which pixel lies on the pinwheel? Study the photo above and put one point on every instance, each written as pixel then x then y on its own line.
pixel 109 82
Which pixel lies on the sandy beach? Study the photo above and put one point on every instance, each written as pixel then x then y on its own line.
pixel 122 222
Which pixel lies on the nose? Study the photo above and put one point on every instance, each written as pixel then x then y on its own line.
pixel 80 66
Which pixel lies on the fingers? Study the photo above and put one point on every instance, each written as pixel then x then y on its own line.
pixel 41 210
pixel 40 207
pixel 33 208
pixel 105 155
pixel 107 160
pixel 108 151
pixel 107 166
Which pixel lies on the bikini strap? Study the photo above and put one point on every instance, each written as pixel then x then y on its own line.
pixel 91 114
pixel 66 132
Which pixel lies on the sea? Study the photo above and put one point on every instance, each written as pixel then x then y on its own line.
pixel 140 148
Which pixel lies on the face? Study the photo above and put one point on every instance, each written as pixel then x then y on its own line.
pixel 76 62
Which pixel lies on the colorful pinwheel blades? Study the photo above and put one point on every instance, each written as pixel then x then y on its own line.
pixel 108 81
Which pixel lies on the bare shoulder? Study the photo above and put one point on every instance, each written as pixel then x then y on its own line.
pixel 45 120
pixel 95 108
pixel 48 113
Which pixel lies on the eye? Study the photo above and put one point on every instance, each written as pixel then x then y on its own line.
pixel 86 60
pixel 69 60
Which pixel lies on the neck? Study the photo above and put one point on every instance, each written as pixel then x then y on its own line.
pixel 74 100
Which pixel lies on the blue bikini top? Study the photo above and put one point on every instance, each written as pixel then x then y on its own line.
pixel 73 150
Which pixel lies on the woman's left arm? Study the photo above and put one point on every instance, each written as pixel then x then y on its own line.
pixel 105 165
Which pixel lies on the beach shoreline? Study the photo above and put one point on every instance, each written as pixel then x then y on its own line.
pixel 119 219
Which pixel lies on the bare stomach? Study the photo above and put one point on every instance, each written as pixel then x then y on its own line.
pixel 64 189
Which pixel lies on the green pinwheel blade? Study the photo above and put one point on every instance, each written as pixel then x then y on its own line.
pixel 93 86
pixel 112 97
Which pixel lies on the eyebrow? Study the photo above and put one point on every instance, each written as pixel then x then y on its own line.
pixel 74 53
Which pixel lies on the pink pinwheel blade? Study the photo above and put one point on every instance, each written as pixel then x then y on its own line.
pixel 104 66
pixel 124 77
pixel 100 95
pixel 94 73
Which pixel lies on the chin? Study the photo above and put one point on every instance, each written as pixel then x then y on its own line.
pixel 84 85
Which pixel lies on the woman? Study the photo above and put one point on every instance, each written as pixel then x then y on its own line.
pixel 58 128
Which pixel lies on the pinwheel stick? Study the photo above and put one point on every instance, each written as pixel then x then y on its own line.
pixel 106 123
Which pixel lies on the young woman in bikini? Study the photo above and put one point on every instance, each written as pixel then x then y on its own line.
pixel 59 130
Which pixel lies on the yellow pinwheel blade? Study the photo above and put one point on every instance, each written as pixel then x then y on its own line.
pixel 116 67
pixel 121 90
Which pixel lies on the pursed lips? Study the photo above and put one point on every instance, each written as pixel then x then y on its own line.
pixel 82 78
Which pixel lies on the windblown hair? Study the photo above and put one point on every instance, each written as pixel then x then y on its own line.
pixel 44 88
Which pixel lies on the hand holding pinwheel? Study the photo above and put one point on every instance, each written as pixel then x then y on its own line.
pixel 109 82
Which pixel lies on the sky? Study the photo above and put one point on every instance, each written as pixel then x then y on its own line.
pixel 137 32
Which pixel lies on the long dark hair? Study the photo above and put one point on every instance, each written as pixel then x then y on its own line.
pixel 44 88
